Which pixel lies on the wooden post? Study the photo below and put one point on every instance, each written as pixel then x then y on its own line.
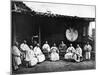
pixel 39 35
pixel 87 29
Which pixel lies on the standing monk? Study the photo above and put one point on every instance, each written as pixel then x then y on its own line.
pixel 16 56
pixel 87 49
pixel 24 48
pixel 46 49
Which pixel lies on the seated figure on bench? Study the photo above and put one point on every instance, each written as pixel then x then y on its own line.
pixel 70 53
pixel 79 53
pixel 62 49
pixel 54 56
pixel 30 57
pixel 38 53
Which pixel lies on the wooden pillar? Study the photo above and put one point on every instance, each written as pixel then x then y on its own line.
pixel 87 30
pixel 14 34
pixel 84 31
pixel 39 35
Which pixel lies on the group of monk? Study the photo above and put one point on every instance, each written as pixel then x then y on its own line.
pixel 33 55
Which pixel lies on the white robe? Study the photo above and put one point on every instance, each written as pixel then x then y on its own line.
pixel 16 56
pixel 79 54
pixel 87 49
pixel 30 56
pixel 40 56
pixel 54 55
pixel 46 47
pixel 70 53
pixel 79 51
pixel 24 48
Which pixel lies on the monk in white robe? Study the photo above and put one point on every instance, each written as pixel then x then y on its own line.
pixel 54 56
pixel 30 57
pixel 46 49
pixel 78 53
pixel 16 57
pixel 37 51
pixel 24 47
pixel 70 53
pixel 87 49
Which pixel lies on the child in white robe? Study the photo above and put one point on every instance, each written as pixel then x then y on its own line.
pixel 54 56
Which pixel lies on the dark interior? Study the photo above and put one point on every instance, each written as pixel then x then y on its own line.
pixel 52 29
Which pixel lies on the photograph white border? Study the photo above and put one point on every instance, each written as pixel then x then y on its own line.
pixel 5 38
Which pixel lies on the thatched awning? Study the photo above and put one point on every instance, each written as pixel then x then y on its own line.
pixel 20 7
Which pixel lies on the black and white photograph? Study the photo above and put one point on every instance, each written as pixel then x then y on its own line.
pixel 52 37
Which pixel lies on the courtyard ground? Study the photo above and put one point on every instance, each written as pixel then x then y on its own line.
pixel 61 65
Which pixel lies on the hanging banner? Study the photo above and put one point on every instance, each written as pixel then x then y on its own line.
pixel 71 34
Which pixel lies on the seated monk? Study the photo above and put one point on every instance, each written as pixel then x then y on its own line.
pixel 78 53
pixel 54 53
pixel 62 49
pixel 70 53
pixel 30 57
pixel 38 53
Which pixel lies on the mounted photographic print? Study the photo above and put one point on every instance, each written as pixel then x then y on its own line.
pixel 52 37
